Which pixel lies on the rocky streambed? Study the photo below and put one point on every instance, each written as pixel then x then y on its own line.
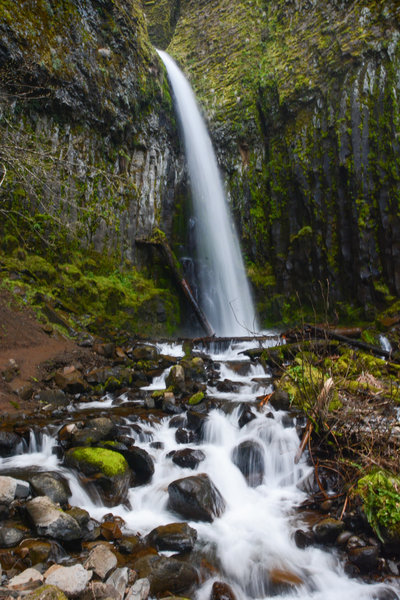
pixel 173 469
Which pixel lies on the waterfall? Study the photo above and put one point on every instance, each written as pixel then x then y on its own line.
pixel 224 290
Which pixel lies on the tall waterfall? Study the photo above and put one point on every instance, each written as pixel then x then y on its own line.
pixel 224 290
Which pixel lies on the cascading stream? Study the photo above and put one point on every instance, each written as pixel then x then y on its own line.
pixel 224 290
pixel 253 538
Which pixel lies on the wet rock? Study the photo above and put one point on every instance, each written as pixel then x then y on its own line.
pixel 248 456
pixel 46 592
pixel 246 415
pixel 101 561
pixel 11 488
pixel 50 521
pixel 140 462
pixel 140 590
pixel 282 580
pixel 178 421
pixel 196 420
pixel 9 442
pixel 280 400
pixel 145 352
pixel 52 485
pixel 343 538
pixel 27 580
pixel 366 558
pixel 166 574
pixel 196 498
pixel 188 458
pixel 179 537
pixel 353 541
pixel 38 551
pixel 70 580
pixel 303 539
pixel 108 470
pixel 172 408
pixel 328 530
pixel 10 535
pixel 228 386
pixel 184 436
pixel 119 580
pixel 57 397
pixel 95 430
pixel 222 591
pixel 176 379
pixel 70 380
pixel 128 544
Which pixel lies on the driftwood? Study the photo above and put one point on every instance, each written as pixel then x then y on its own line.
pixel 162 245
pixel 276 355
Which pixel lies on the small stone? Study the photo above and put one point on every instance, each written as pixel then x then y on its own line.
pixel 101 560
pixel 119 579
pixel 27 580
pixel 222 591
pixel 328 530
pixel 140 590
pixel 10 536
pixel 71 580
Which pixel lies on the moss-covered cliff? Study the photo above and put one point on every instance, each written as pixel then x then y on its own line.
pixel 87 134
pixel 302 100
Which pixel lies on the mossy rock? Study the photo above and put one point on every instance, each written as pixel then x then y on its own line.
pixel 196 398
pixel 109 471
pixel 40 268
pixel 380 494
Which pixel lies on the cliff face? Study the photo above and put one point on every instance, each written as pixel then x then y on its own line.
pixel 302 99
pixel 87 132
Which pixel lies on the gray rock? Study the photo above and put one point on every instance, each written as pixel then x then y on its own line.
pixel 195 498
pixel 52 485
pixel 119 580
pixel 101 560
pixel 70 580
pixel 10 536
pixel 166 574
pixel 248 456
pixel 51 521
pixel 174 536
pixel 27 580
pixel 139 591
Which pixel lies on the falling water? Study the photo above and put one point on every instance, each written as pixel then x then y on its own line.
pixel 224 291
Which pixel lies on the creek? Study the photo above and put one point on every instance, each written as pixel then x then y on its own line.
pixel 251 544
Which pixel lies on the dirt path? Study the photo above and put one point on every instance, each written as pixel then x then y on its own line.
pixel 23 340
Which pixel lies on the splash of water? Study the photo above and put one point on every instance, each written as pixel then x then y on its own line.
pixel 224 290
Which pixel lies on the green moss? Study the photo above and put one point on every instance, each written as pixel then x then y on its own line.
pixel 106 461
pixel 380 493
pixel 196 398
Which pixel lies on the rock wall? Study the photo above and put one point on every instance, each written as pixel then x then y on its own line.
pixel 302 99
pixel 87 132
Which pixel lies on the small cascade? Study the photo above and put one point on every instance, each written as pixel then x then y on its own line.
pixel 224 290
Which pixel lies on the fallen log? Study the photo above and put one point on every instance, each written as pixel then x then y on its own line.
pixel 277 355
pixel 160 242
pixel 328 333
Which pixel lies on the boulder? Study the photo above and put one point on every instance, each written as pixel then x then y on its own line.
pixel 145 352
pixel 109 471
pixel 188 458
pixel 328 530
pixel 70 380
pixel 140 462
pixel 11 488
pixel 9 442
pixel 101 561
pixel 365 558
pixel 280 400
pixel 246 415
pixel 248 456
pixel 98 590
pixel 184 436
pixel 166 574
pixel 176 379
pixel 53 485
pixel 94 431
pixel 196 498
pixel 70 580
pixel 179 537
pixel 50 521
pixel 37 551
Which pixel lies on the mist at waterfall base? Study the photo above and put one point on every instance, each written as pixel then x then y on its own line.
pixel 224 293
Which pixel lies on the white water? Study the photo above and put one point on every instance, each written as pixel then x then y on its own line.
pixel 255 533
pixel 224 291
